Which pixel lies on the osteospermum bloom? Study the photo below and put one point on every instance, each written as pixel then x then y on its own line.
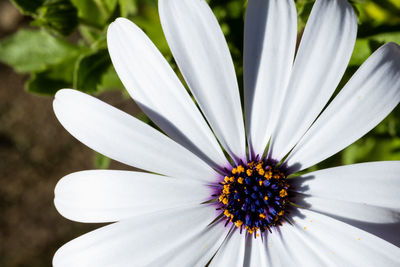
pixel 199 205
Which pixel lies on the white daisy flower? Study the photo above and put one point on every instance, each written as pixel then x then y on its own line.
pixel 195 207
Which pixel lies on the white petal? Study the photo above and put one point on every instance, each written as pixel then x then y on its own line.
pixel 294 251
pixel 201 52
pixel 107 195
pixel 366 192
pixel 269 44
pixel 122 137
pixel 321 60
pixel 157 90
pixel 142 240
pixel 231 253
pixel 255 253
pixel 368 97
pixel 345 244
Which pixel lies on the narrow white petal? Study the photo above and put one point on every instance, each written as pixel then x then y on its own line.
pixel 255 253
pixel 269 44
pixel 157 90
pixel 201 52
pixel 345 244
pixel 296 252
pixel 231 253
pixel 368 98
pixel 366 192
pixel 276 253
pixel 124 138
pixel 142 240
pixel 321 60
pixel 108 196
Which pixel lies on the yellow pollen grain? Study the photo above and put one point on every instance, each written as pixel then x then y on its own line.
pixel 358 238
pixel 249 172
pixel 240 169
pixel 226 213
pixel 234 171
pixel 260 183
pixel 283 193
pixel 268 175
pixel 266 198
pixel 261 215
pixel 259 166
pixel 226 179
pixel 305 228
pixel 225 201
pixel 232 179
pixel 261 172
pixel 251 164
pixel 240 180
pixel 281 213
pixel 238 223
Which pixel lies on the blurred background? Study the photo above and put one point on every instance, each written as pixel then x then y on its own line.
pixel 46 45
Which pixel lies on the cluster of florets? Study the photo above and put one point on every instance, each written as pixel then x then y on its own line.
pixel 254 196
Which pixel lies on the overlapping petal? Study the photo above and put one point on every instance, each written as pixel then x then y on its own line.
pixel 231 252
pixel 369 96
pixel 202 54
pixel 122 137
pixel 366 192
pixel 269 45
pixel 108 195
pixel 321 60
pixel 143 240
pixel 157 90
pixel 342 244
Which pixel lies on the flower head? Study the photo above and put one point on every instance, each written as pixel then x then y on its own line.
pixel 202 206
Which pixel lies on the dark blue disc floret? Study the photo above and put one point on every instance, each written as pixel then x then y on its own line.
pixel 254 196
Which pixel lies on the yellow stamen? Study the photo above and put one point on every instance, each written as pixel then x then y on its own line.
pixel 261 172
pixel 262 215
pixel 266 198
pixel 249 172
pixel 238 223
pixel 283 193
pixel 234 171
pixel 240 180
pixel 240 169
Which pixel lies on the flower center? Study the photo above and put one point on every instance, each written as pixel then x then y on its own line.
pixel 254 196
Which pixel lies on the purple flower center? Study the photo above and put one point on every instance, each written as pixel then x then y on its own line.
pixel 254 196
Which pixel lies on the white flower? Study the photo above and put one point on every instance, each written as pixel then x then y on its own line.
pixel 344 216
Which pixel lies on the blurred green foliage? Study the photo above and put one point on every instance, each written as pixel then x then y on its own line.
pixel 66 47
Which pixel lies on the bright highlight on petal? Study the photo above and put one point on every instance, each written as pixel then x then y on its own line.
pixel 322 58
pixel 157 90
pixel 124 138
pixel 201 52
pixel 107 196
pixel 369 96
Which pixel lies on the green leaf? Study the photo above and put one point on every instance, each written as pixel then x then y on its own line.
pixel 127 7
pixel 90 69
pixel 28 7
pixel 101 161
pixel 110 81
pixel 56 77
pixel 44 84
pixel 35 51
pixel 89 13
pixel 59 16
